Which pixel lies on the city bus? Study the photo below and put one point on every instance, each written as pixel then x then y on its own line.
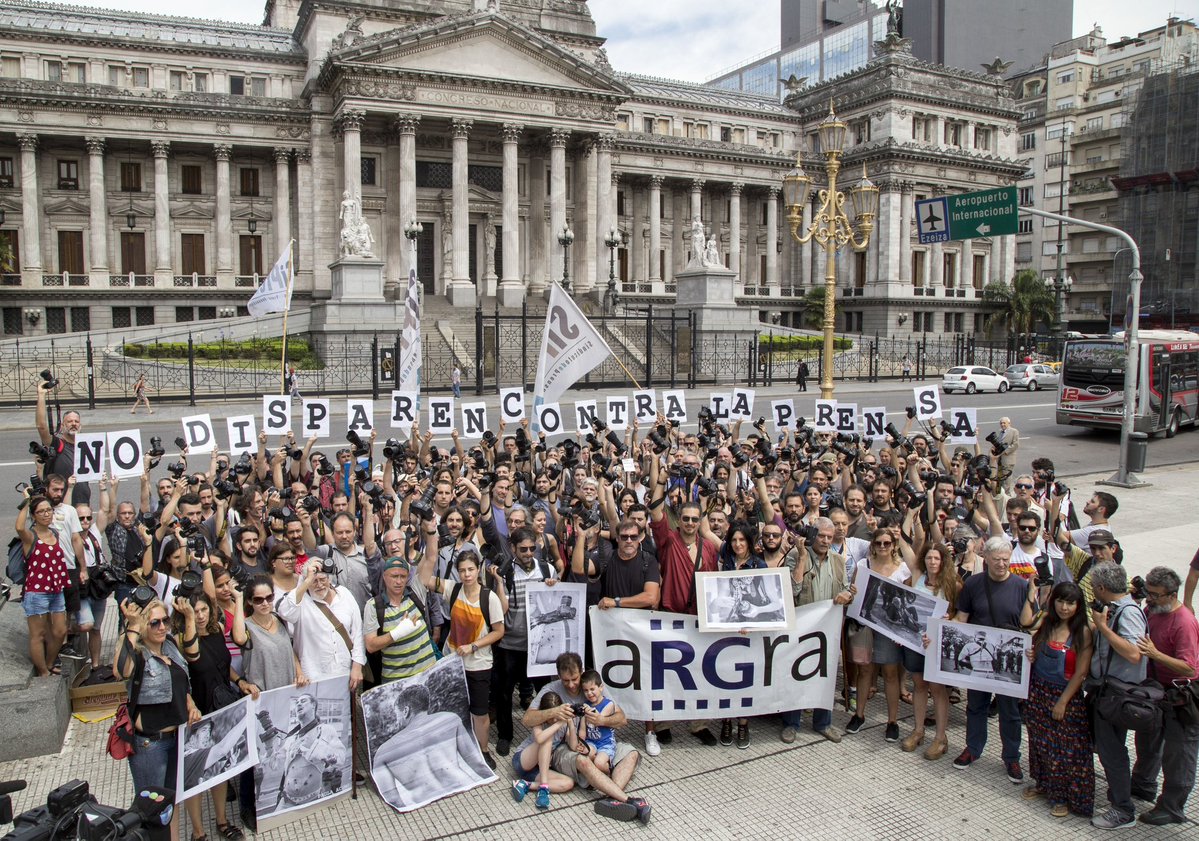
pixel 1091 392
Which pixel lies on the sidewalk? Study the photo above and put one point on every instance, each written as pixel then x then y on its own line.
pixel 863 787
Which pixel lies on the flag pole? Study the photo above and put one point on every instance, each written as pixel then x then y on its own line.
pixel 286 307
pixel 628 373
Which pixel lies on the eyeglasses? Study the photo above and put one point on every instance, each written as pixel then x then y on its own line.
pixel 1021 486
pixel 689 519
pixel 387 541
pixel 260 599
pixel 883 545
pixel 526 549
pixel 630 537
pixel 84 519
pixel 772 535
pixel 1027 528
pixel 1152 596
pixel 157 623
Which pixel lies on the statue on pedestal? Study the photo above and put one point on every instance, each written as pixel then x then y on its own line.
pixel 489 237
pixel 697 243
pixel 712 255
pixel 356 236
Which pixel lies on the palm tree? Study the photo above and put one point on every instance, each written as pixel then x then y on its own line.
pixel 1021 304
pixel 813 308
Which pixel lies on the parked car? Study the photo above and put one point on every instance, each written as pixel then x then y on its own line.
pixel 972 378
pixel 1031 377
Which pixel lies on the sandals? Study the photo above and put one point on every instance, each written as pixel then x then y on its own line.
pixel 906 697
pixel 230 831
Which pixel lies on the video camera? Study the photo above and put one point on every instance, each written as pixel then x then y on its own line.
pixel 72 812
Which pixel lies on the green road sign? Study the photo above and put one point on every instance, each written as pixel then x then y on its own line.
pixel 987 213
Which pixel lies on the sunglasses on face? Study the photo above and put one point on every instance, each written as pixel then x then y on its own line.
pixel 260 600
pixel 1027 528
pixel 630 537
pixel 157 623
pixel 525 549
pixel 689 519
pixel 1023 486
pixel 83 519
pixel 770 535
pixel 883 544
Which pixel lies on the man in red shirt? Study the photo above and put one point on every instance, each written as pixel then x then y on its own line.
pixel 1173 651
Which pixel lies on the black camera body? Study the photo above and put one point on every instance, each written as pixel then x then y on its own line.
pixel 49 381
pixel 579 710
pixel 102 580
pixel 1098 605
pixel 71 811
pixel 189 585
pixel 41 452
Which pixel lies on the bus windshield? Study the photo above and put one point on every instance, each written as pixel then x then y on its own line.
pixel 1094 363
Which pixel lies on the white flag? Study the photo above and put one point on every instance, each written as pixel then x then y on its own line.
pixel 570 349
pixel 408 378
pixel 274 294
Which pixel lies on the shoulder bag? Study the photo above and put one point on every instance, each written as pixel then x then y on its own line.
pixel 367 674
pixel 1129 706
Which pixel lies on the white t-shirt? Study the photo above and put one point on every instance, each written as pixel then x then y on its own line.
pixel 66 520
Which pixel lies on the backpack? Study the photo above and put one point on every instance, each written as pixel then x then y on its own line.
pixel 509 573
pixel 16 561
pixel 484 602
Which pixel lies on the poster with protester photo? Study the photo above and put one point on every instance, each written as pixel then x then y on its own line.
pixel 749 599
pixel 419 737
pixel 215 749
pixel 557 623
pixel 304 737
pixel 893 610
pixel 978 657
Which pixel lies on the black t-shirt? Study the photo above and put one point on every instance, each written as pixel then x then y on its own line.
pixel 626 578
pixel 1008 596
pixel 63 464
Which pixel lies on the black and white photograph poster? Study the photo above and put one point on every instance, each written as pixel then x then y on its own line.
pixel 897 612
pixel 215 749
pixel 745 599
pixel 419 737
pixel 303 736
pixel 557 623
pixel 978 657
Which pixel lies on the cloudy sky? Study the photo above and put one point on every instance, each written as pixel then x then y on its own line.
pixel 696 39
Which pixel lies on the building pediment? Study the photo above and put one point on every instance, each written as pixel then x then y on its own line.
pixel 191 210
pixel 68 206
pixel 484 47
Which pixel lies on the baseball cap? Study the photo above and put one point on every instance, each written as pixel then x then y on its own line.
pixel 395 562
pixel 1101 537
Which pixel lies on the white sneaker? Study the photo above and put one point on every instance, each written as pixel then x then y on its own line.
pixel 652 748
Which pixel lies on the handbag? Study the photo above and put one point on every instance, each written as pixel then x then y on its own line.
pixel 222 695
pixel 120 732
pixel 1129 706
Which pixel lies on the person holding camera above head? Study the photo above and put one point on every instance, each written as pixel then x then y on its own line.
pixel 46 581
pixel 154 665
pixel 997 599
pixel 215 683
pixel 162 577
pixel 58 448
pixel 327 623
pixel 1099 508
pixel 1172 648
pixel 1118 625
pixel 353 563
pixel 225 590
pixel 476 624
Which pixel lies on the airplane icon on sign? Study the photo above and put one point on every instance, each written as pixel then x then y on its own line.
pixel 932 222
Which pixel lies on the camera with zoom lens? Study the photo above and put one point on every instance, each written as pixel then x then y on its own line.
pixel 916 496
pixel 142 596
pixel 225 488
pixel 961 545
pixel 310 504
pixel 423 505
pixel 659 442
pixel 887 471
pixel 324 467
pixel 156 449
pixel 244 465
pixel 176 469
pixel 361 448
pixel 49 381
pixel 806 533
pixel 1136 588
pixel 196 544
pixel 1044 576
pixel 189 585
pixel 682 471
pixel 328 567
pixel 910 411
pixel 393 449
pixel 995 439
pixel 242 576
pixel 71 811
pixel 899 438
pixel 41 452
pixel 707 486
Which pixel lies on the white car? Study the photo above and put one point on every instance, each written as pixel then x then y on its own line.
pixel 972 378
pixel 1031 377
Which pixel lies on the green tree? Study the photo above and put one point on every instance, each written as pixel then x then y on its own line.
pixel 813 308
pixel 1021 304
pixel 6 255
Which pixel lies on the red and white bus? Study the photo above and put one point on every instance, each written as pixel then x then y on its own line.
pixel 1091 392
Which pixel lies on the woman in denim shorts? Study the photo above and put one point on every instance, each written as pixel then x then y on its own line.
pixel 45 582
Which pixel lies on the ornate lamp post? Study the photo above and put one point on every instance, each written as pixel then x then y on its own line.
pixel 613 240
pixel 412 231
pixel 565 237
pixel 832 227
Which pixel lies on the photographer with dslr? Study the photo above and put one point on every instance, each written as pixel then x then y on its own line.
pixel 59 447
pixel 327 625
pixel 355 564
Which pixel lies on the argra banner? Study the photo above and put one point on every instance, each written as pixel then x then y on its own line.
pixel 658 666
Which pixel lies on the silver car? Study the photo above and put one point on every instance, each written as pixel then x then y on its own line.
pixel 1031 376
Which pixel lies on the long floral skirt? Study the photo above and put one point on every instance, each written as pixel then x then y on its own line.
pixel 1059 752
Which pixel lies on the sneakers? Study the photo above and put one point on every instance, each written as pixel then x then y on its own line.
pixel 788 735
pixel 743 736
pixel 726 732
pixel 831 733
pixel 1113 818
pixel 1014 774
pixel 616 810
pixel 502 747
pixel 543 797
pixel 519 789
pixel 964 760
pixel 652 748
pixel 892 733
pixel 644 810
pixel 855 724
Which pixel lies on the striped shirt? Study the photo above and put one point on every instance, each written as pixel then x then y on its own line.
pixel 412 653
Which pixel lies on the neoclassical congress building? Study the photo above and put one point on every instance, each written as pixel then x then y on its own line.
pixel 151 166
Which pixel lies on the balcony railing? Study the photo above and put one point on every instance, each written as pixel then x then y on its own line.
pixel 10 280
pixel 246 281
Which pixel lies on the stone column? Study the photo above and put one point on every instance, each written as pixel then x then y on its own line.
pixel 655 234
pixel 679 205
pixel 558 139
pixel 405 125
pixel 281 223
pixel 615 196
pixel 31 223
pixel 163 269
pixel 887 233
pixel 907 209
pixel 605 212
pixel 305 233
pixel 635 204
pixel 697 200
pixel 772 240
pixel 735 229
pixel 98 211
pixel 511 290
pixel 538 238
pixel 966 267
pixel 1007 246
pixel 936 260
pixel 462 290
pixel 351 138
pixel 223 222
pixel 994 262
pixel 583 252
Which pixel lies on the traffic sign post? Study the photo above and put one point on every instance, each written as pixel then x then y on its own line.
pixel 986 213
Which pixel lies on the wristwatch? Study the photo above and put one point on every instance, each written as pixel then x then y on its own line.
pixel 617 600
pixel 474 648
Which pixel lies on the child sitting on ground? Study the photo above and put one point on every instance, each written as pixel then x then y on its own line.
pixel 600 741
pixel 531 761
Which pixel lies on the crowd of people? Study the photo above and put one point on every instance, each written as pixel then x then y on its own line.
pixel 283 566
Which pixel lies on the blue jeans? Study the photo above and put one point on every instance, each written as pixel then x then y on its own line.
pixel 1010 722
pixel 153 762
pixel 821 719
pixel 40 604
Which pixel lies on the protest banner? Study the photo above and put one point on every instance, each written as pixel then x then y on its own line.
pixel 360 416
pixel 928 402
pixel 316 414
pixel 783 413
pixel 215 749
pixel 617 413
pixel 197 432
pixel 403 409
pixel 512 404
pixel 965 425
pixel 826 416
pixel 90 451
pixel 874 422
pixel 556 623
pixel 125 453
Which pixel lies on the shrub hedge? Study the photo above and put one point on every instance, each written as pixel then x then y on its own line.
pixel 788 343
pixel 299 352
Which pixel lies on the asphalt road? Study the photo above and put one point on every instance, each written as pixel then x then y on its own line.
pixel 1074 450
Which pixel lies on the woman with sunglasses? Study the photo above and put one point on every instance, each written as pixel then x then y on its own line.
pixel 884 559
pixel 155 666
pixel 46 581
pixel 738 553
pixel 937 577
